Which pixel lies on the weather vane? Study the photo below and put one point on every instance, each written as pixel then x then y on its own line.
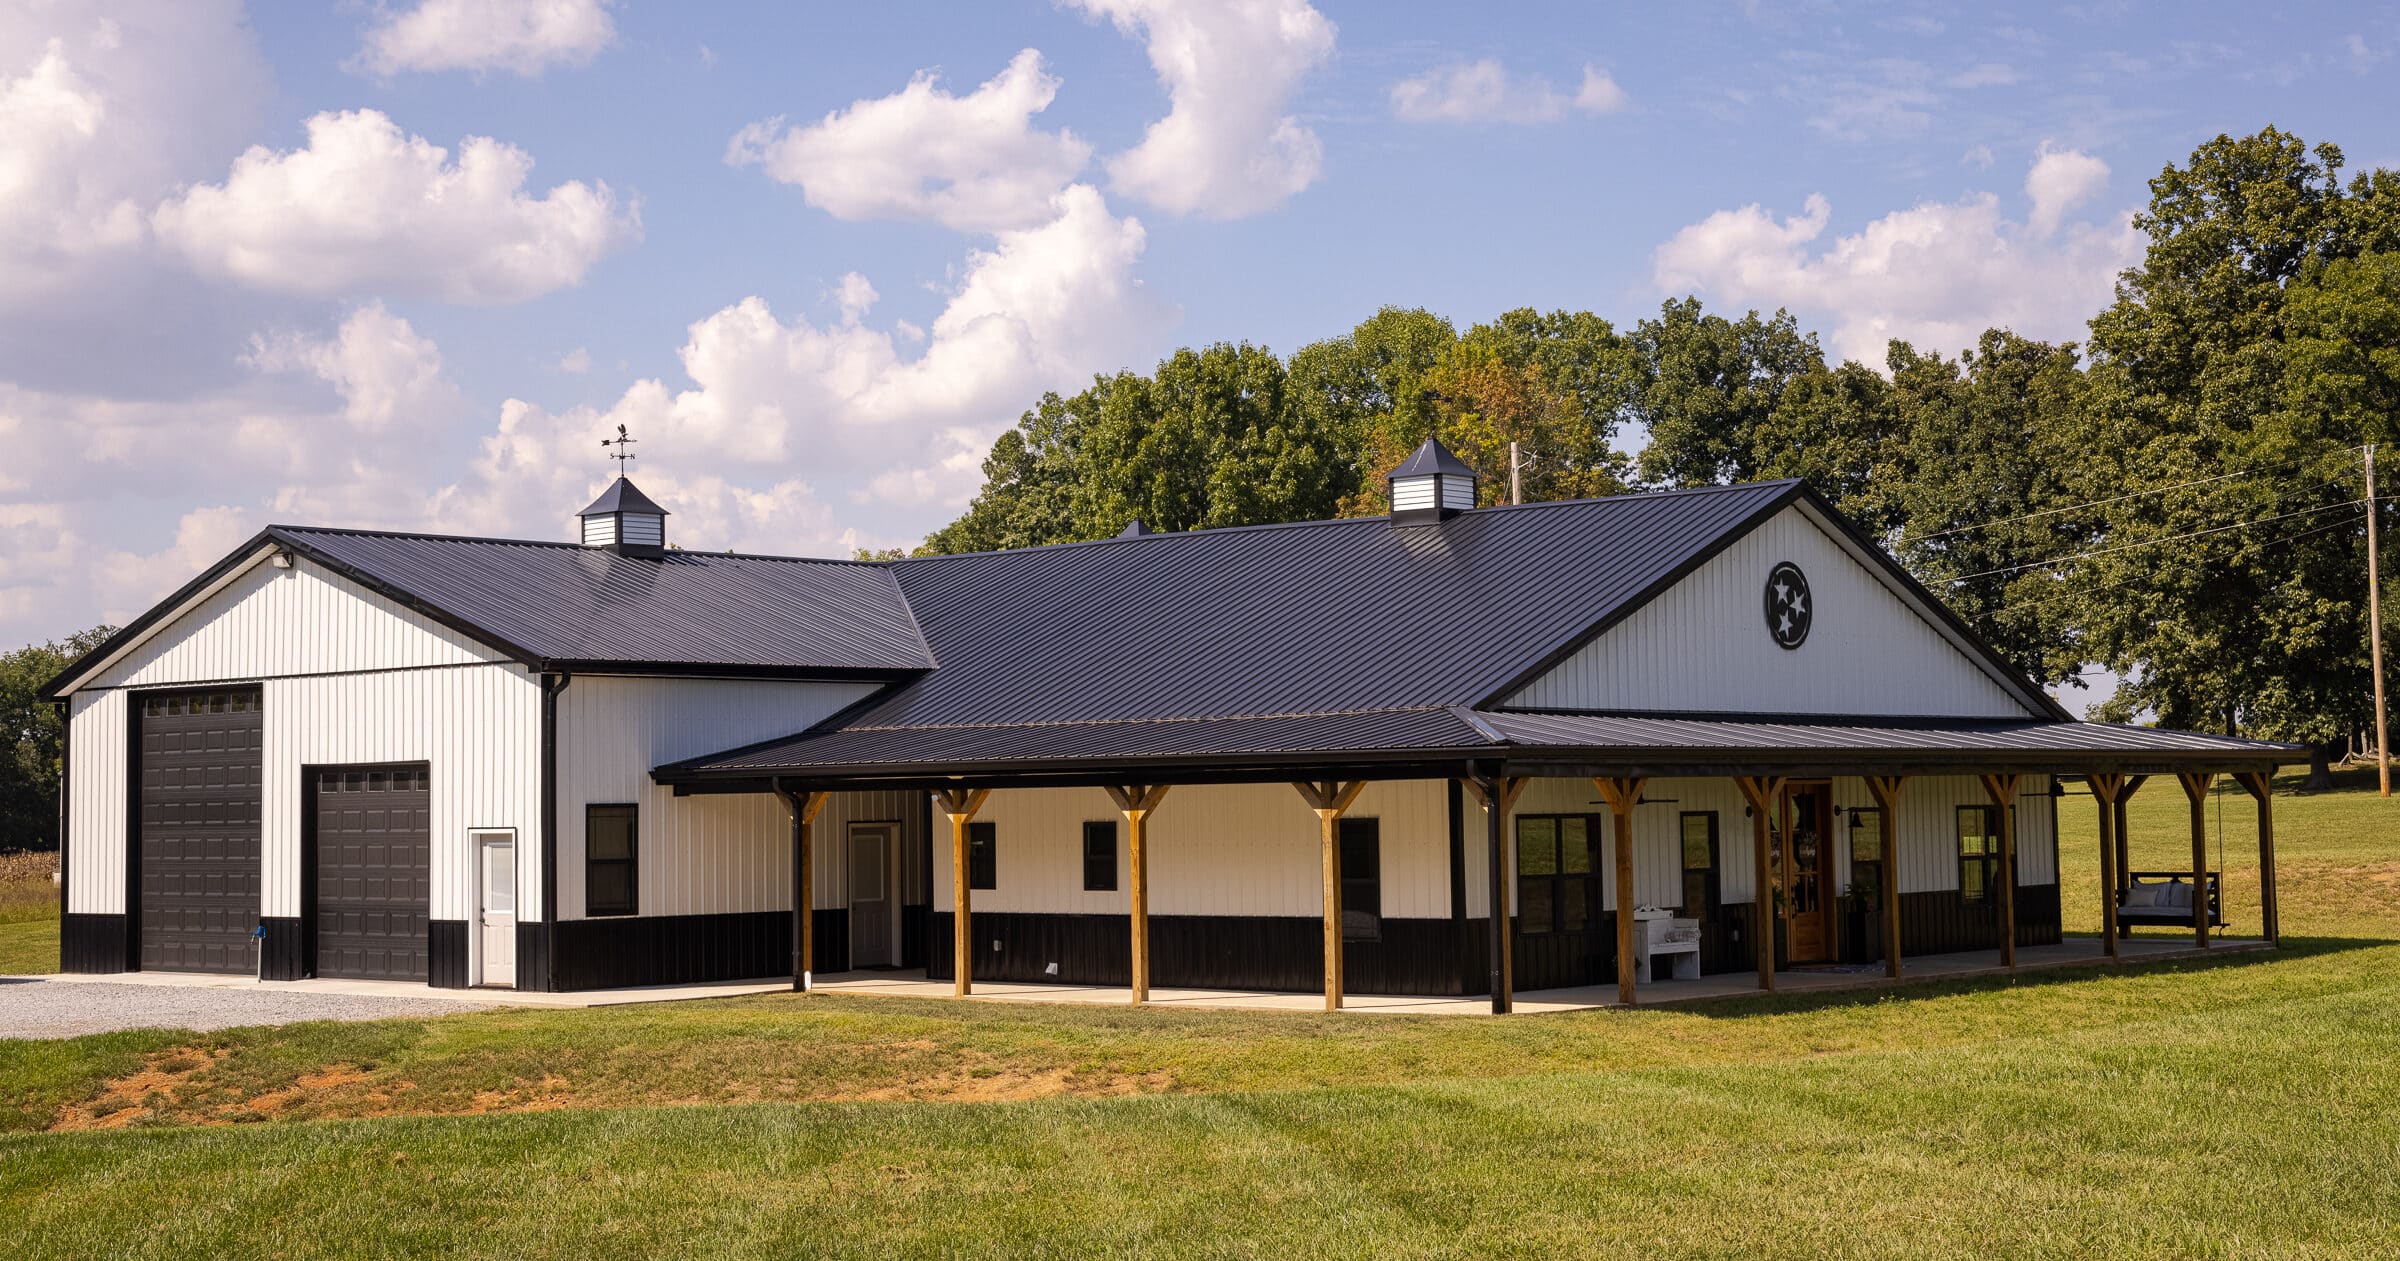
pixel 622 455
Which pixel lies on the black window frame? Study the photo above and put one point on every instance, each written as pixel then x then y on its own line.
pixel 1577 889
pixel 983 855
pixel 1361 840
pixel 1708 893
pixel 1867 821
pixel 594 865
pixel 1100 847
pixel 1984 861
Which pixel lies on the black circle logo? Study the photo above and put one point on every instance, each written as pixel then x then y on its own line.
pixel 1789 609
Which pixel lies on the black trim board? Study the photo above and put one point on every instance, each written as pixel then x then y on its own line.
pixel 620 951
pixel 1255 952
pixel 446 954
pixel 66 804
pixel 541 976
pixel 287 951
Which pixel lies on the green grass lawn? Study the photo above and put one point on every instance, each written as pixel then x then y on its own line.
pixel 2242 1106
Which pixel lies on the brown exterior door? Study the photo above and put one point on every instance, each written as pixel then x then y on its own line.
pixel 1808 874
pixel 196 848
pixel 373 853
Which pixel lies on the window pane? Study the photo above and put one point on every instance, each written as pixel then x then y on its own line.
pixel 1574 845
pixel 1971 831
pixel 608 889
pixel 1970 880
pixel 609 833
pixel 1574 903
pixel 1362 879
pixel 983 861
pixel 1533 904
pixel 1099 856
pixel 1866 836
pixel 1537 847
pixel 1699 830
pixel 500 879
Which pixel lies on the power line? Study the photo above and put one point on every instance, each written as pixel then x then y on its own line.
pixel 2171 538
pixel 2102 503
pixel 2019 605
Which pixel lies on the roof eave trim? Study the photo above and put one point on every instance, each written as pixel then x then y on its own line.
pixel 134 633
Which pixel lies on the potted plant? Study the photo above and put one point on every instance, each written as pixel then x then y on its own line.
pixel 1861 905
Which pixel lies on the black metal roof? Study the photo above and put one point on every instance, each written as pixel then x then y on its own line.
pixel 622 496
pixel 1430 458
pixel 1315 617
pixel 564 606
pixel 1453 736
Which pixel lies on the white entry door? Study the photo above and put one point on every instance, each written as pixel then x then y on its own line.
pixel 871 919
pixel 496 918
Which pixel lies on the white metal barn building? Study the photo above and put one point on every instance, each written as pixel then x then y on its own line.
pixel 1263 758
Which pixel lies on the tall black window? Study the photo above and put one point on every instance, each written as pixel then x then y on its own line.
pixel 1362 880
pixel 983 868
pixel 1099 856
pixel 1555 890
pixel 611 844
pixel 1978 852
pixel 1867 864
pixel 1700 889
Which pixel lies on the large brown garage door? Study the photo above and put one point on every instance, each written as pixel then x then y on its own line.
pixel 374 859
pixel 198 834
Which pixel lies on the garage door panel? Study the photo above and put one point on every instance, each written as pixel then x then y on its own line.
pixel 374 851
pixel 198 829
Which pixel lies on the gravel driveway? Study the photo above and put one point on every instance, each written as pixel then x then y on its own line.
pixel 66 1009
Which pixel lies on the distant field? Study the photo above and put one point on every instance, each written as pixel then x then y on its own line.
pixel 28 913
pixel 2237 1107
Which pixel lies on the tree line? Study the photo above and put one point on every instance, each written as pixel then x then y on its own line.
pixel 2174 499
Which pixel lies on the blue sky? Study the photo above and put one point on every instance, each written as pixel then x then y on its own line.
pixel 238 284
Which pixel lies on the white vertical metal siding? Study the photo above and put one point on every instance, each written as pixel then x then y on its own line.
pixel 1215 849
pixel 96 803
pixel 699 855
pixel 830 841
pixel 1702 645
pixel 478 728
pixel 302 620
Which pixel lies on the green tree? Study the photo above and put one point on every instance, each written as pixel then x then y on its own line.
pixel 36 740
pixel 2231 353
pixel 1705 388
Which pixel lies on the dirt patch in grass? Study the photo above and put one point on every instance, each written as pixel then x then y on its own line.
pixel 146 1093
pixel 985 1084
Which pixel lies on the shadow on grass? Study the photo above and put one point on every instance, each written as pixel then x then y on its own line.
pixel 2033 977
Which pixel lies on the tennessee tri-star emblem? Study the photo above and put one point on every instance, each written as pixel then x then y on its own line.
pixel 1789 608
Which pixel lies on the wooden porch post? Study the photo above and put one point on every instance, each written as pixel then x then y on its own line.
pixel 804 807
pixel 2003 791
pixel 1137 801
pixel 1886 791
pixel 1329 800
pixel 2133 784
pixel 2106 790
pixel 960 804
pixel 2261 785
pixel 1495 829
pixel 1622 795
pixel 2195 787
pixel 1762 794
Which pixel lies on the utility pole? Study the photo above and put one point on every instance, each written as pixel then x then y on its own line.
pixel 1516 475
pixel 2383 746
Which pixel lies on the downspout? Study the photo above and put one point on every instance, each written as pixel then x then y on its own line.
pixel 66 753
pixel 1458 880
pixel 552 685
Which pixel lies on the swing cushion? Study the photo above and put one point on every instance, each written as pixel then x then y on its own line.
pixel 2142 895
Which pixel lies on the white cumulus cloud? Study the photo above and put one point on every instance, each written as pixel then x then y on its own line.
pixel 519 36
pixel 1229 145
pixel 893 441
pixel 973 162
pixel 384 370
pixel 1483 91
pixel 1936 274
pixel 365 206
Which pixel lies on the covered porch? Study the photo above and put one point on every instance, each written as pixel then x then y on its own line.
pixel 1781 776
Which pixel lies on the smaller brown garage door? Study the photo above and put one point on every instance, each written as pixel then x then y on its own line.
pixel 374 858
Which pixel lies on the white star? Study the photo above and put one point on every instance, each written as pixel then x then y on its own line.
pixel 1783 594
pixel 1800 603
pixel 1784 627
